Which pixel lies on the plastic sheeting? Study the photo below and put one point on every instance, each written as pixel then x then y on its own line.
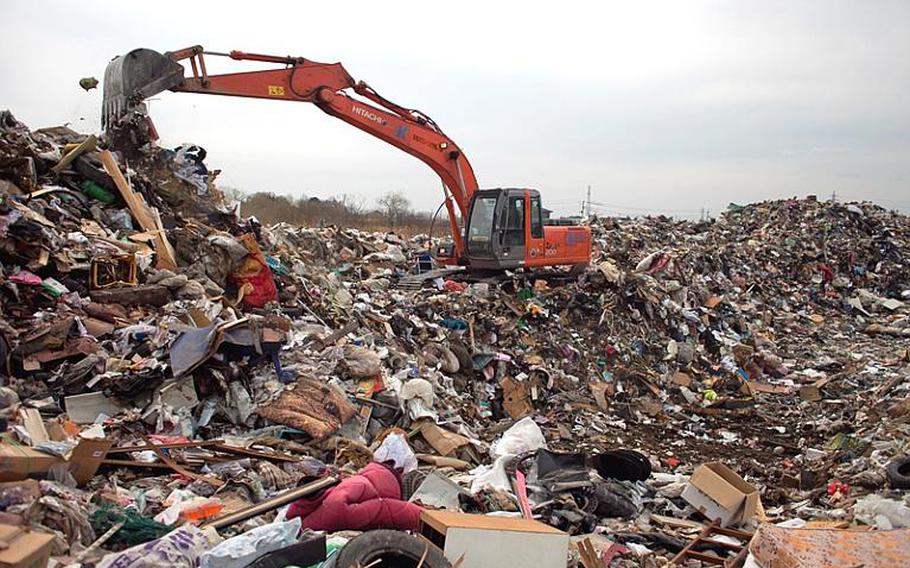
pixel 179 548
pixel 241 550
pixel 524 436
pixel 395 448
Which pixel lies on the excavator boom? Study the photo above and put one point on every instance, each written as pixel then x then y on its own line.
pixel 142 73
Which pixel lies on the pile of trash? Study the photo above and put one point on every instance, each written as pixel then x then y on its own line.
pixel 183 385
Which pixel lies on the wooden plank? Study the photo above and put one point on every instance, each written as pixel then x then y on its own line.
pixel 199 444
pixel 722 544
pixel 441 521
pixel 133 463
pixel 713 559
pixel 179 468
pixel 703 538
pixel 588 554
pixel 161 242
pixel 253 453
pixel 147 217
pixel 270 504
pixel 85 146
pixel 677 523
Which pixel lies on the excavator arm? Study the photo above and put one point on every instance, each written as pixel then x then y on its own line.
pixel 141 73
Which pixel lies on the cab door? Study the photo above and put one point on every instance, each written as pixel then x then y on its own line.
pixel 511 231
pixel 535 243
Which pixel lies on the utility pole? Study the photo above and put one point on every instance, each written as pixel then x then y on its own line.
pixel 588 214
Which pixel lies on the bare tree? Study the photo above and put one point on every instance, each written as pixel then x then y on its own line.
pixel 394 205
pixel 352 206
pixel 233 193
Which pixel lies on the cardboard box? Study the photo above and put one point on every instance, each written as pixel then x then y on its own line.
pixel 20 462
pixel 719 493
pixel 494 542
pixel 27 549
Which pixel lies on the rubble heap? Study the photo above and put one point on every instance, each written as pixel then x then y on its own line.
pixel 170 362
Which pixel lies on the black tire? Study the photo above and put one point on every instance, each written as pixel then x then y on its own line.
pixel 396 549
pixel 898 472
pixel 622 464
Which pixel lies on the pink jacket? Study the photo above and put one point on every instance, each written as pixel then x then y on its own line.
pixel 370 499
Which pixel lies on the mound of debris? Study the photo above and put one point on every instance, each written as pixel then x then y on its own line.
pixel 175 374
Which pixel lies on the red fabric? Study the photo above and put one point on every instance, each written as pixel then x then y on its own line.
pixel 371 499
pixel 261 290
pixel 827 272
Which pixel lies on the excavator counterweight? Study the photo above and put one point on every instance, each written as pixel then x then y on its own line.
pixel 491 229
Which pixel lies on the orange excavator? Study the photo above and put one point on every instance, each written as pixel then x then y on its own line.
pixel 491 228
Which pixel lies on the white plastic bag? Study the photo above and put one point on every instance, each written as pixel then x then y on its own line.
pixel 179 548
pixel 395 448
pixel 418 398
pixel 241 550
pixel 524 436
pixel 886 514
pixel 491 476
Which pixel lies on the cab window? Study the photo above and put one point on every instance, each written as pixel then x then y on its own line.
pixel 536 218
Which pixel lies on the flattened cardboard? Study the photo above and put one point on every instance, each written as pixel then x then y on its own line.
pixel 443 441
pixel 27 549
pixel 719 493
pixel 516 398
pixel 20 462
pixel 34 425
pixel 87 458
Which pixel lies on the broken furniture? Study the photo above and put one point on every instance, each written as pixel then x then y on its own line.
pixel 110 271
pixel 705 539
pixel 493 542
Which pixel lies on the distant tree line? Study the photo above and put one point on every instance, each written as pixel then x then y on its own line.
pixel 392 212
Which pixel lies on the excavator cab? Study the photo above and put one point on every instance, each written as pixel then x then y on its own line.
pixel 506 229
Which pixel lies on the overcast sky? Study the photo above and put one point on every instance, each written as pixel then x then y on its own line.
pixel 659 106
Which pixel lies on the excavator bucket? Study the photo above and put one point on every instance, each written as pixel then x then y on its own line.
pixel 129 79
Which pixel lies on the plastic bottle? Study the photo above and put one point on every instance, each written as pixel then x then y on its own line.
pixel 95 191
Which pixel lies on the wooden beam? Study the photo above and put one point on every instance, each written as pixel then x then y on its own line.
pixel 134 463
pixel 200 444
pixel 179 468
pixel 224 448
pixel 271 504
pixel 147 217
pixel 86 145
